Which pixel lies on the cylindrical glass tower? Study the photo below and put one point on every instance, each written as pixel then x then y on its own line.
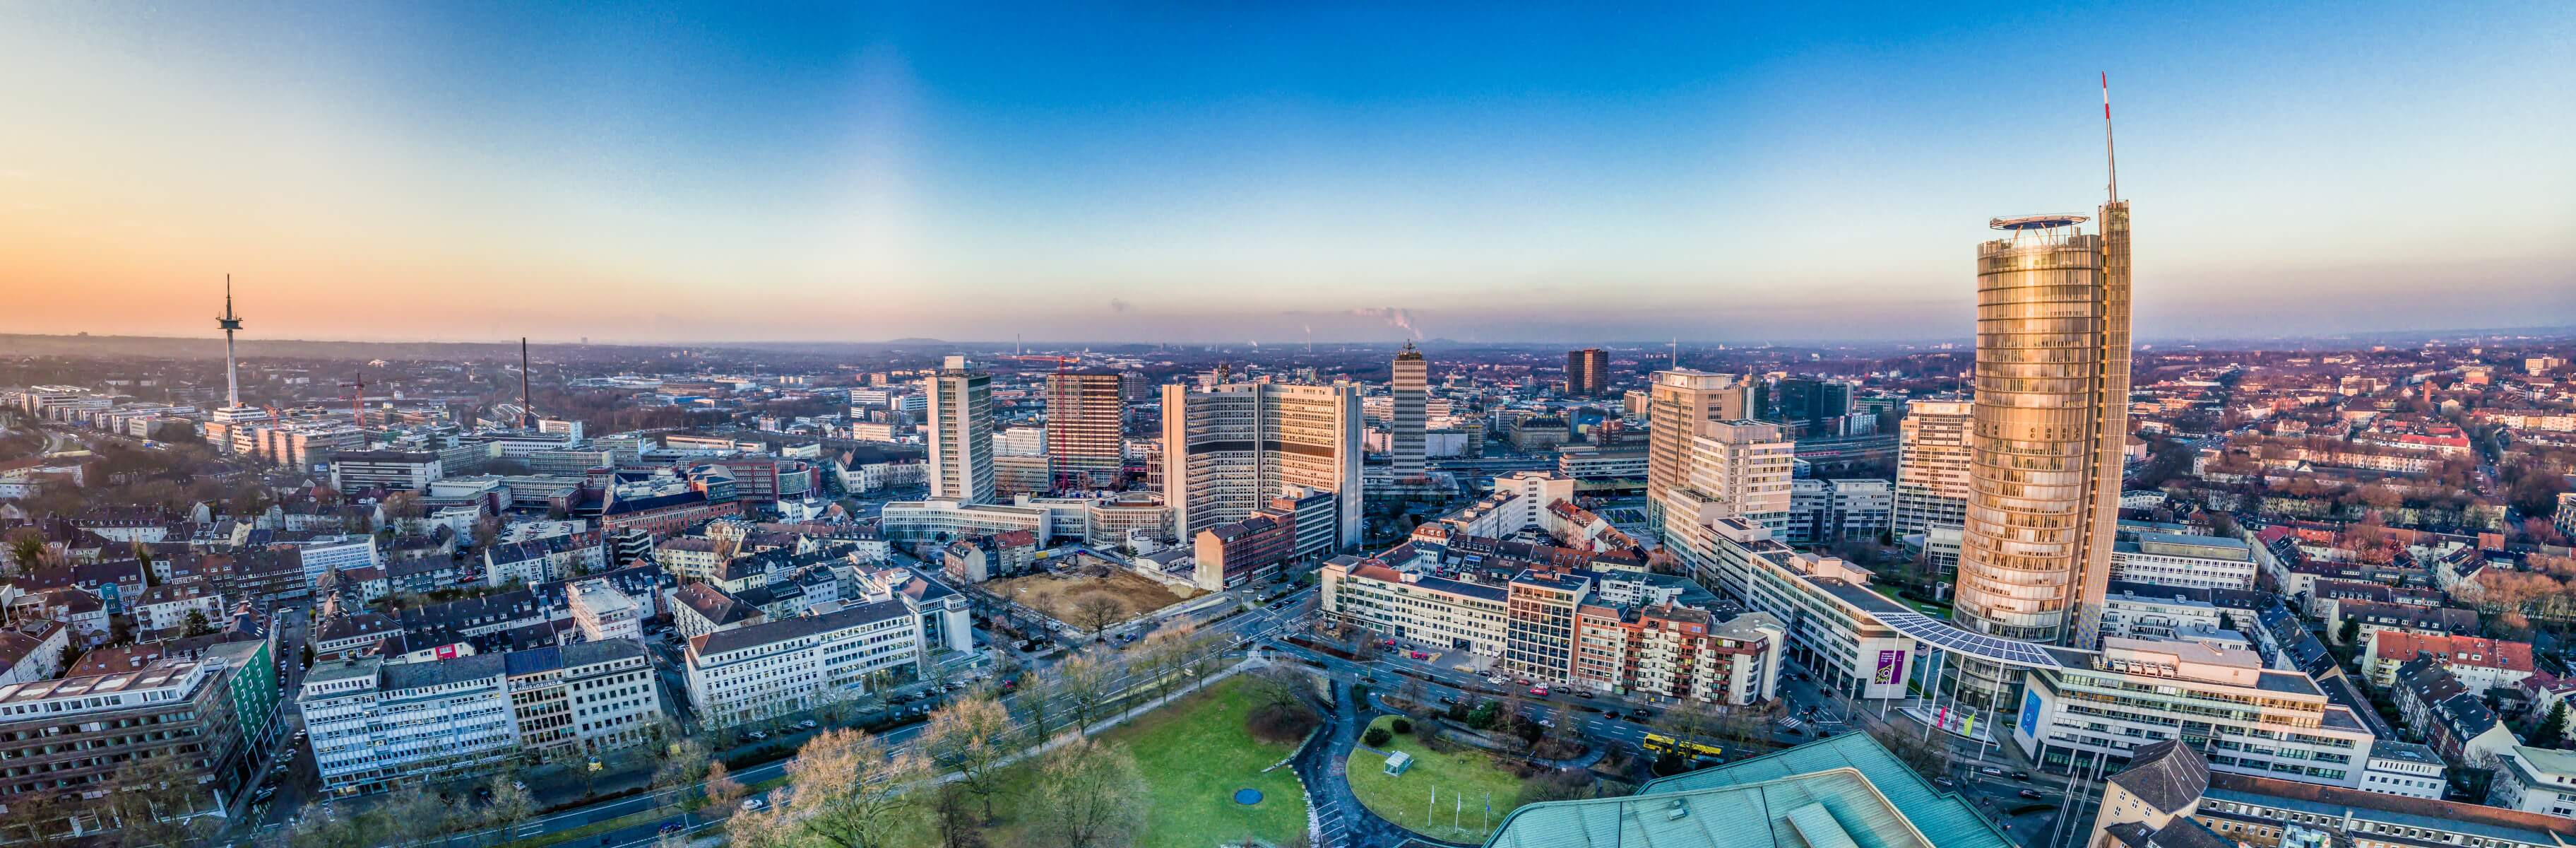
pixel 2042 354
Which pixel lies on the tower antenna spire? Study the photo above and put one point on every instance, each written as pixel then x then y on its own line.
pixel 2109 151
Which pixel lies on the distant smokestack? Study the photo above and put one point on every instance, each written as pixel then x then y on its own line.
pixel 527 405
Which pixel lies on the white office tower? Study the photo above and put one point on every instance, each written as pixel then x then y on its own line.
pixel 1732 469
pixel 1932 460
pixel 1680 403
pixel 961 432
pixel 1412 390
pixel 1231 448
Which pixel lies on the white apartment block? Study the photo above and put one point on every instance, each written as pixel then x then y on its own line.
pixel 1732 468
pixel 375 725
pixel 337 553
pixel 772 669
pixel 601 613
pixel 2245 718
pixel 1433 611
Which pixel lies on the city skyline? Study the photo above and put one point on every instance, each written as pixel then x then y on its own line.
pixel 1239 176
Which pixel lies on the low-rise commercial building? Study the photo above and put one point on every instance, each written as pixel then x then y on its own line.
pixel 2248 718
pixel 602 696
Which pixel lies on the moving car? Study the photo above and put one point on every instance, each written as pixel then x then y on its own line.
pixel 754 804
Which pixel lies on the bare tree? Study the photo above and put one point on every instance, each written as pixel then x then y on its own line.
pixel 849 789
pixel 41 819
pixel 1090 795
pixel 1095 611
pixel 1083 684
pixel 683 762
pixel 414 814
pixel 766 828
pixel 959 825
pixel 1037 693
pixel 722 790
pixel 1164 656
pixel 972 737
pixel 511 805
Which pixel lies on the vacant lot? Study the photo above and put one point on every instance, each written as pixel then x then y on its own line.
pixel 1060 596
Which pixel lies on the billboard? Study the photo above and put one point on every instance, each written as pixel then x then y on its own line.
pixel 2029 714
pixel 1891 668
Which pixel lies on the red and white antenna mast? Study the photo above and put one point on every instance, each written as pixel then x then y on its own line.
pixel 2108 149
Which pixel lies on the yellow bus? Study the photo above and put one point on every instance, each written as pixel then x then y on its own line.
pixel 1663 744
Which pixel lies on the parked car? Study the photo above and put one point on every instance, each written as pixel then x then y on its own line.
pixel 1538 691
pixel 2033 794
pixel 2021 776
pixel 1449 700
pixel 1583 693
pixel 807 724
pixel 669 828
pixel 1419 655
pixel 1944 782
pixel 1990 771
pixel 756 735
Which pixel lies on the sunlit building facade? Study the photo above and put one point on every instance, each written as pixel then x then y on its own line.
pixel 2050 419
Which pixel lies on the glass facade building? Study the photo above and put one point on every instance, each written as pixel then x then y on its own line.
pixel 2049 420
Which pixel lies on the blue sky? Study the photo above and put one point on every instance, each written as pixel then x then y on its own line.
pixel 1194 173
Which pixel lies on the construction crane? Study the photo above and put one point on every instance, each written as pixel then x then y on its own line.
pixel 357 399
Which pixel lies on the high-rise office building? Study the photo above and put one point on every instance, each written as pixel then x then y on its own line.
pixel 961 432
pixel 1932 460
pixel 1231 448
pixel 1587 372
pixel 1681 402
pixel 1412 389
pixel 2050 418
pixel 1084 426
pixel 1812 406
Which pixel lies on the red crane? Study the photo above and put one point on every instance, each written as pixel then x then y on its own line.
pixel 357 399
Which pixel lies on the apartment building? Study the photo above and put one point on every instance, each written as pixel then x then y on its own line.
pixel 2167 795
pixel 1424 610
pixel 2481 664
pixel 1678 652
pixel 769 669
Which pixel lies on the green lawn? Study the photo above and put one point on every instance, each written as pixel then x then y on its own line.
pixel 1194 755
pixel 1463 780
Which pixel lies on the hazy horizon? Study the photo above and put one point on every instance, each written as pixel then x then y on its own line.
pixel 712 175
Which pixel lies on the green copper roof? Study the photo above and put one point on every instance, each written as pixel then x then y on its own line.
pixel 1844 792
